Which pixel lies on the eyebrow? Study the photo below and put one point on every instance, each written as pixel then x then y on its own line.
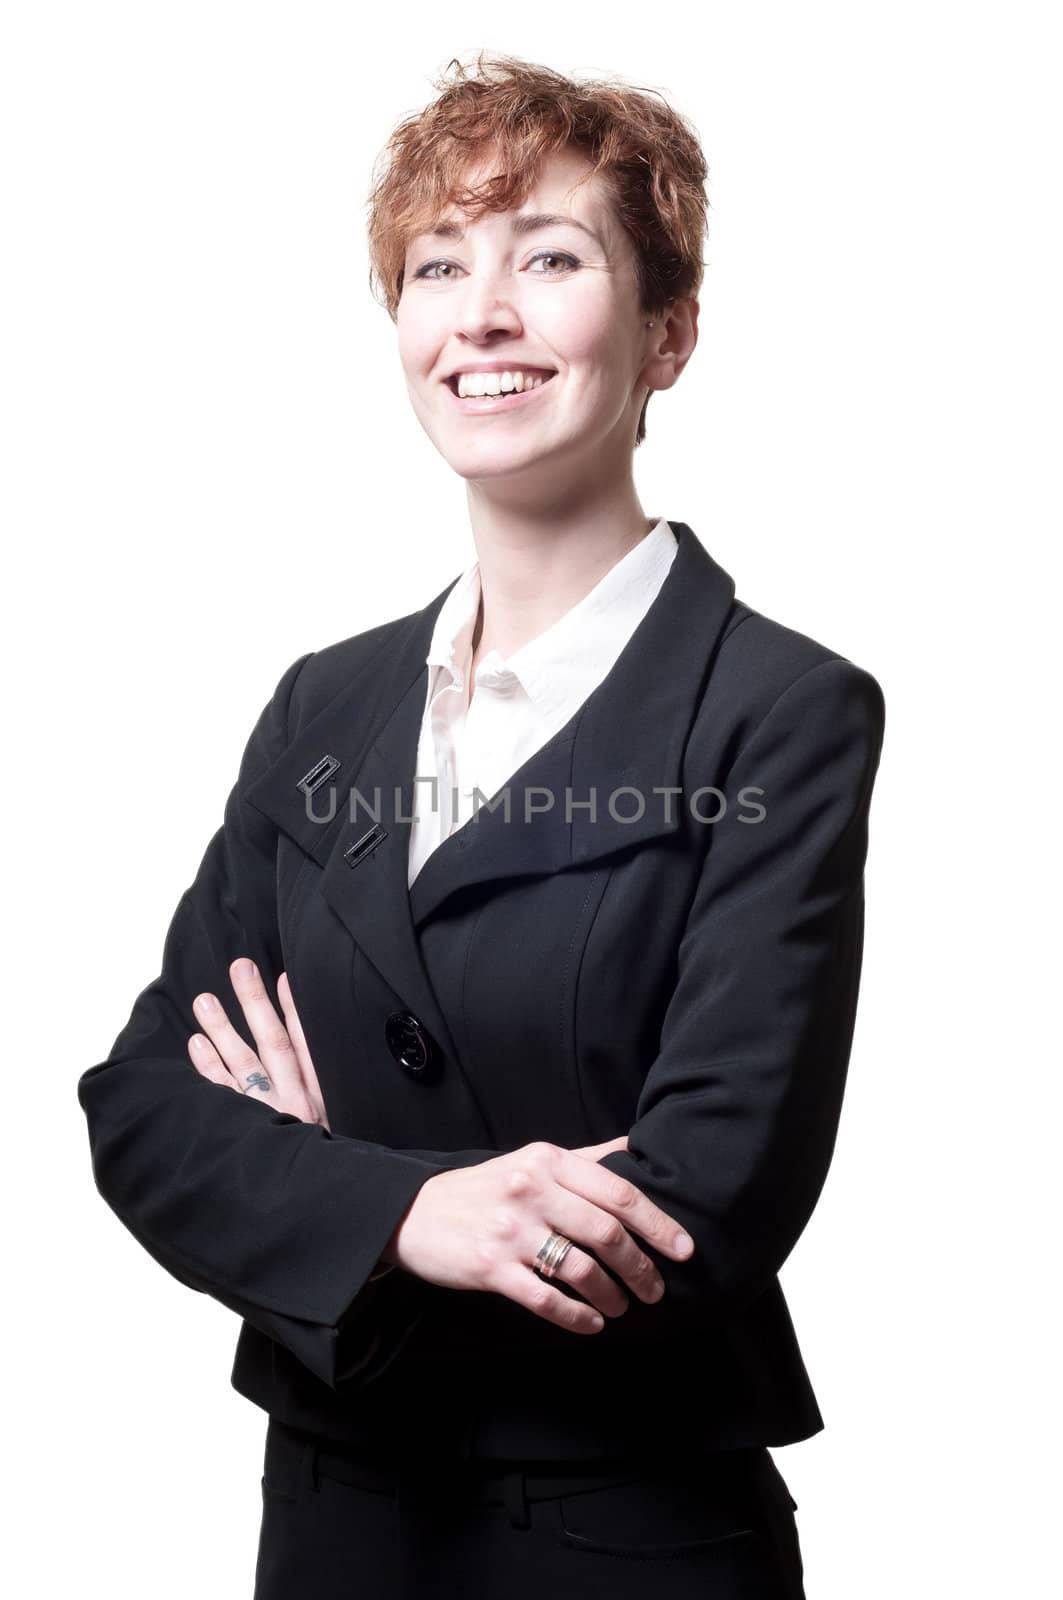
pixel 523 222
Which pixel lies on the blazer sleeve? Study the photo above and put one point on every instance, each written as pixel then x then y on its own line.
pixel 280 1220
pixel 738 1113
pixel 738 1116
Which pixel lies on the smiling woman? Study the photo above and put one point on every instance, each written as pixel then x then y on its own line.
pixel 587 201
pixel 577 358
pixel 496 1120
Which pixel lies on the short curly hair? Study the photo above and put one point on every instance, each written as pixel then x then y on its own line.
pixel 648 154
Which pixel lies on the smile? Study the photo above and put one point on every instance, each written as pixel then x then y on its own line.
pixel 489 403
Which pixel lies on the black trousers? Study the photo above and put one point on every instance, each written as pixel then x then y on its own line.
pixel 333 1525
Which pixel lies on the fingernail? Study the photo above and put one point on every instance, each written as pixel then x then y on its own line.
pixel 684 1243
pixel 206 1002
pixel 198 1041
pixel 596 1321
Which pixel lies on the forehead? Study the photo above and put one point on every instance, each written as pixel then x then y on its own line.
pixel 565 190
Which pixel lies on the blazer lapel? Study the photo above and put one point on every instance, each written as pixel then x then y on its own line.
pixel 620 752
pixel 366 877
pixel 357 758
pixel 314 791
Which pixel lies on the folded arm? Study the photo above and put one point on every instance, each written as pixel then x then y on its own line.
pixel 280 1220
pixel 738 1114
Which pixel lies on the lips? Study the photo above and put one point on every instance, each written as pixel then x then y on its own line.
pixel 490 405
pixel 546 373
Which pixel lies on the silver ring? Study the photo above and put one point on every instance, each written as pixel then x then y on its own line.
pixel 551 1253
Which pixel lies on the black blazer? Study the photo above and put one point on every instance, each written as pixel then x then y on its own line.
pixel 568 978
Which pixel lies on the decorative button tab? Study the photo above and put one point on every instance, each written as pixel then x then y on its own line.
pixel 319 773
pixel 357 852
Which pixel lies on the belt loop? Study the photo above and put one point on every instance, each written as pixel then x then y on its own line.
pixel 516 1501
pixel 309 1468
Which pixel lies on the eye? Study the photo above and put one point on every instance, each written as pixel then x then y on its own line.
pixel 428 273
pixel 429 267
pixel 553 255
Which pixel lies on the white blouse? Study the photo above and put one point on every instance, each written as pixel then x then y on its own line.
pixel 469 745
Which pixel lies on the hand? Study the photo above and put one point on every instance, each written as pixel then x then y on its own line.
pixel 282 1073
pixel 480 1228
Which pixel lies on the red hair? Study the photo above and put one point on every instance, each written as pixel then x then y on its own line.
pixel 648 155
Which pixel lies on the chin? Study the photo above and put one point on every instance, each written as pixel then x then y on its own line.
pixel 493 463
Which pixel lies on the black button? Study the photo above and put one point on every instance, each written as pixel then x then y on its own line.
pixel 409 1042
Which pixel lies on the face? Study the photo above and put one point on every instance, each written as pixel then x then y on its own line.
pixel 556 300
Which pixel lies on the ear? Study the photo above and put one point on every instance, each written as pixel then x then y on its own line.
pixel 673 338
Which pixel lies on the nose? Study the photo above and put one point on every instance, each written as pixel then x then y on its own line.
pixel 487 305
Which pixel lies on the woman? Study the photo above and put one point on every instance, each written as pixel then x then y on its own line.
pixel 530 945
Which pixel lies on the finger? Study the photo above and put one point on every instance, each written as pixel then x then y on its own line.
pixel 626 1202
pixel 594 1152
pixel 208 1063
pixel 276 1052
pixel 291 1017
pixel 580 1271
pixel 535 1294
pixel 603 1233
pixel 240 1060
pixel 302 1049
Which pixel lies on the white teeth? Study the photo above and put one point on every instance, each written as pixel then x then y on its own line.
pixel 492 383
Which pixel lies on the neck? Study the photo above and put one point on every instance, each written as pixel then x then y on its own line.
pixel 536 563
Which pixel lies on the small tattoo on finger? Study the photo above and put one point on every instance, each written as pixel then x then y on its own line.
pixel 258 1080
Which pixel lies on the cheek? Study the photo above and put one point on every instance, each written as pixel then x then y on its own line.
pixel 408 344
pixel 578 328
pixel 417 339
pixel 590 340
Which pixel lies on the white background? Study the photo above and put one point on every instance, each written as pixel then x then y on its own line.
pixel 212 467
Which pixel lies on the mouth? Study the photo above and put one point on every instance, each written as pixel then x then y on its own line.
pixel 489 403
